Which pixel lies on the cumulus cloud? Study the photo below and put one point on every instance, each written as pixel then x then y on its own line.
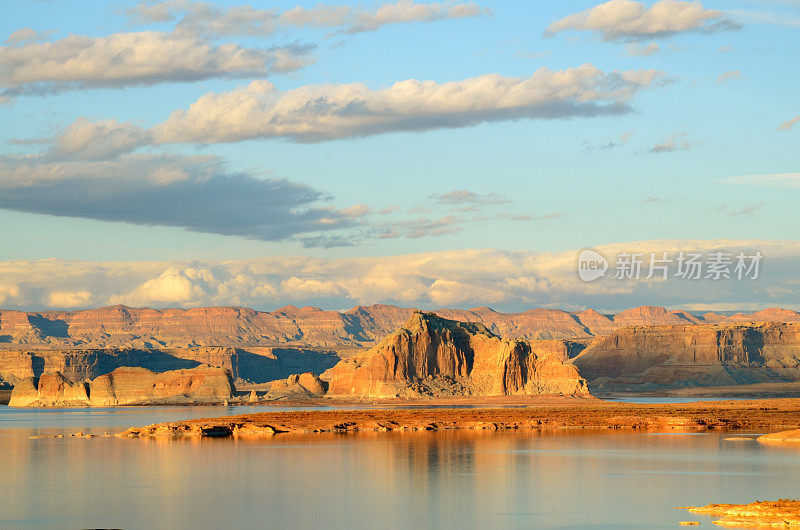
pixel 630 20
pixel 202 18
pixel 127 59
pixel 506 280
pixel 787 125
pixel 196 192
pixel 323 112
pixel 98 140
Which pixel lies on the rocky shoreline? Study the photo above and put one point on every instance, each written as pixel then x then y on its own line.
pixel 783 513
pixel 778 414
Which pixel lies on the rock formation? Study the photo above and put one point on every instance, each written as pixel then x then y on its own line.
pixel 255 364
pixel 298 386
pixel 435 356
pixel 134 386
pixel 126 386
pixel 709 354
pixel 147 329
pixel 783 513
pixel 52 390
pixel 259 347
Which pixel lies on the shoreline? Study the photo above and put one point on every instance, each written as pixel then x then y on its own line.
pixel 568 413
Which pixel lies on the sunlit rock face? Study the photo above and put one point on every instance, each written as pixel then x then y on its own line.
pixel 430 355
pixel 710 354
pixel 51 390
pixel 126 386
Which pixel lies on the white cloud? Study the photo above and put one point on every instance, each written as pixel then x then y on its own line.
pixel 126 59
pixel 774 179
pixel 202 18
pixel 69 299
pixel 323 112
pixel 173 286
pixel 630 20
pixel 636 49
pixel 406 11
pixel 507 280
pixel 97 140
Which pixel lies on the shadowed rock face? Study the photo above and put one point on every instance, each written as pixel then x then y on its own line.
pixel 436 356
pixel 126 386
pixel 719 354
pixel 257 365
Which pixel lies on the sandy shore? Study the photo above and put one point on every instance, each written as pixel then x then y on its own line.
pixel 541 413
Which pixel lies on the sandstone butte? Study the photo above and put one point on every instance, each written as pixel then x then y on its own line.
pixel 783 513
pixel 434 356
pixel 126 386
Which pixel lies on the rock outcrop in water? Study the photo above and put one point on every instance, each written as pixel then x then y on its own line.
pixel 783 513
pixel 431 355
pixel 709 355
pixel 126 386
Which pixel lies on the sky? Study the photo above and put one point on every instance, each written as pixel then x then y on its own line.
pixel 428 154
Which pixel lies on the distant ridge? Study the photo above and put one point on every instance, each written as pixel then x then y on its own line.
pixel 122 326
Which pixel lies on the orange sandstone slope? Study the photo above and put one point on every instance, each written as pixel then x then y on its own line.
pixel 430 355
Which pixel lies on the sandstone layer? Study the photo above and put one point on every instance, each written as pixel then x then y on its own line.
pixel 144 328
pixel 710 354
pixel 126 386
pixel 435 356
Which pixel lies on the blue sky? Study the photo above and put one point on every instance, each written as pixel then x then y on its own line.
pixel 533 184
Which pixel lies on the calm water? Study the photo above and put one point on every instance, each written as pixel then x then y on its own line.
pixel 583 480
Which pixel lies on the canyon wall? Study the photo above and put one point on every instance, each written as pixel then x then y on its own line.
pixel 256 365
pixel 710 354
pixel 153 329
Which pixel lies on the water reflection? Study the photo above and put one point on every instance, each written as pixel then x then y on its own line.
pixel 469 479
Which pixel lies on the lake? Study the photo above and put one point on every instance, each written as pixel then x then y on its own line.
pixel 574 479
